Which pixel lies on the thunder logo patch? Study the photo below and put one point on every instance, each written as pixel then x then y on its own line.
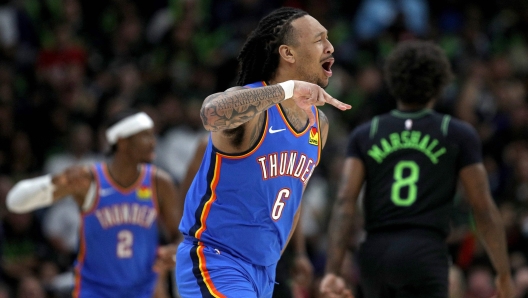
pixel 314 136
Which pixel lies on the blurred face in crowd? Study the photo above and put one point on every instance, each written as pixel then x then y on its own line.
pixel 30 287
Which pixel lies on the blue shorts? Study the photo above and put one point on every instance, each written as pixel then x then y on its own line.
pixel 203 271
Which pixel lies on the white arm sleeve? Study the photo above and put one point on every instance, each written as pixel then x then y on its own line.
pixel 30 194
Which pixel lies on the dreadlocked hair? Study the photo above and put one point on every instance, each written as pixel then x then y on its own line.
pixel 259 57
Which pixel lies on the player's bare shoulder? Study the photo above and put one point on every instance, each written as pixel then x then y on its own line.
pixel 162 176
pixel 323 126
pixel 164 184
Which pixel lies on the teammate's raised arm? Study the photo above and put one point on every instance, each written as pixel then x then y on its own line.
pixel 31 194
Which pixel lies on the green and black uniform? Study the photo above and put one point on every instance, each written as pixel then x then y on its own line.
pixel 412 161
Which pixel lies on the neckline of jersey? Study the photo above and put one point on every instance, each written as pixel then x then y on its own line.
pixel 414 115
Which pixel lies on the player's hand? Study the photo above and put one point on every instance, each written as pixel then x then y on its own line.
pixel 74 180
pixel 307 94
pixel 505 287
pixel 165 258
pixel 303 270
pixel 333 286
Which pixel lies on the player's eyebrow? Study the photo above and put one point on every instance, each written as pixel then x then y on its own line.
pixel 320 33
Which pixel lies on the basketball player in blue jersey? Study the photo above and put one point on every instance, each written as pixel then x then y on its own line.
pixel 121 203
pixel 294 263
pixel 266 139
pixel 411 160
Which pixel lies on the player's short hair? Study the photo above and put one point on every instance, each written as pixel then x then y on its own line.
pixel 417 71
pixel 259 57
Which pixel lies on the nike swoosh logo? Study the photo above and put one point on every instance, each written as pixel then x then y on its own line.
pixel 271 130
pixel 103 192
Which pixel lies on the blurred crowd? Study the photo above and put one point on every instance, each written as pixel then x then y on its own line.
pixel 67 66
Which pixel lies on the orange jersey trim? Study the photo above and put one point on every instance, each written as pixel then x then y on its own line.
pixel 297 134
pixel 80 261
pixel 207 206
pixel 205 274
pixel 256 146
pixel 319 144
pixel 119 188
pixel 153 173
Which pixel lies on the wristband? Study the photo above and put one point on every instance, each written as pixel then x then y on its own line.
pixel 288 88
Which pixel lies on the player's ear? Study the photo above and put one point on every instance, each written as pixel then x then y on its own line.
pixel 287 53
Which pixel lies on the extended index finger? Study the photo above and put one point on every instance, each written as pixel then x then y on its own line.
pixel 336 103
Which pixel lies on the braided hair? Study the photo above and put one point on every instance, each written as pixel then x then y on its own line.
pixel 259 57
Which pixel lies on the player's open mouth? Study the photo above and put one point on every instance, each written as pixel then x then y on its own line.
pixel 327 66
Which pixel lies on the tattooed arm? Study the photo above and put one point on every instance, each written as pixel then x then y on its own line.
pixel 234 116
pixel 242 108
pixel 238 105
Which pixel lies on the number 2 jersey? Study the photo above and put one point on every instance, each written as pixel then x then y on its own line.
pixel 412 161
pixel 245 204
pixel 119 238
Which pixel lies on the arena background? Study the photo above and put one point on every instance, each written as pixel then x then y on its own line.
pixel 66 66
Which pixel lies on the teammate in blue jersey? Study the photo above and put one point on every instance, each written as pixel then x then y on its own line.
pixel 411 161
pixel 266 139
pixel 121 202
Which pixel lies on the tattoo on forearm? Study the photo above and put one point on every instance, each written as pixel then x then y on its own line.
pixel 230 109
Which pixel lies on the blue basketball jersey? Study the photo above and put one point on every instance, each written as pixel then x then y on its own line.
pixel 245 204
pixel 119 237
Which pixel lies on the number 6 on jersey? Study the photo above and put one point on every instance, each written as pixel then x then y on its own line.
pixel 278 207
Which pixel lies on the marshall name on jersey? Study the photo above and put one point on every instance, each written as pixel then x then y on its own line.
pixel 407 140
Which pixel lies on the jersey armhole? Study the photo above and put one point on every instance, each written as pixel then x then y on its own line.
pixel 253 148
pixel 154 186
pixel 89 199
pixel 374 126
pixel 445 125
